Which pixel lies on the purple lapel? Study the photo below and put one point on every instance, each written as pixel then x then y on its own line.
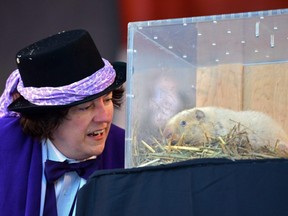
pixel 113 154
pixel 20 170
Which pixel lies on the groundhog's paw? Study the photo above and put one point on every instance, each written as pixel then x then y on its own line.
pixel 281 148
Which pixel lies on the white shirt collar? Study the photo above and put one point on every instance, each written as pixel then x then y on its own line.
pixel 54 154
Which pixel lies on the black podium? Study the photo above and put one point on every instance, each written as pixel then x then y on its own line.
pixel 201 187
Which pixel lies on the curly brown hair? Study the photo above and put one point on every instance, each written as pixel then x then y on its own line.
pixel 42 125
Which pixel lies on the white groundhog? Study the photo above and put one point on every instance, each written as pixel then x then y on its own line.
pixel 195 127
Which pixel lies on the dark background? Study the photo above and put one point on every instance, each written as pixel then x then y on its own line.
pixel 24 22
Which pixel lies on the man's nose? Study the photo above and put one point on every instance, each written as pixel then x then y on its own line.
pixel 102 112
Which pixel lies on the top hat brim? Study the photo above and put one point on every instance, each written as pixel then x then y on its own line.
pixel 21 105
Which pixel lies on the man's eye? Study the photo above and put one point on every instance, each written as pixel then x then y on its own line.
pixel 108 99
pixel 85 107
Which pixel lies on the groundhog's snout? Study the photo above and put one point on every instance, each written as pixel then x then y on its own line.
pixel 171 137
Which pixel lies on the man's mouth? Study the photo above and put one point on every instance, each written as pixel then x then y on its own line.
pixel 96 133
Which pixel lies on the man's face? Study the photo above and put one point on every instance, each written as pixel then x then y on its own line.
pixel 83 132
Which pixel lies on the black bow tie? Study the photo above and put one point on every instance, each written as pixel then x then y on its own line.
pixel 55 169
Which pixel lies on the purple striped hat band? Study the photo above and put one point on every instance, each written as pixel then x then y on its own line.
pixel 63 95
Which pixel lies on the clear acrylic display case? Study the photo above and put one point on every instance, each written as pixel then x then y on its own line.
pixel 234 61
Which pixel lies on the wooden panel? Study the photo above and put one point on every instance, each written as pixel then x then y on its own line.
pixel 221 86
pixel 266 89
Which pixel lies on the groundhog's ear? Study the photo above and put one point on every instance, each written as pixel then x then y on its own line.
pixel 199 115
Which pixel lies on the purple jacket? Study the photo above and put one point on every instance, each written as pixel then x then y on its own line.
pixel 21 166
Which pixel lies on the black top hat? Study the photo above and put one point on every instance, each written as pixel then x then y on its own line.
pixel 60 60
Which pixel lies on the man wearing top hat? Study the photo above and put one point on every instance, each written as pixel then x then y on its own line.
pixel 56 124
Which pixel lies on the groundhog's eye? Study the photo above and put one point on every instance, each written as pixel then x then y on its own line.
pixel 183 123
